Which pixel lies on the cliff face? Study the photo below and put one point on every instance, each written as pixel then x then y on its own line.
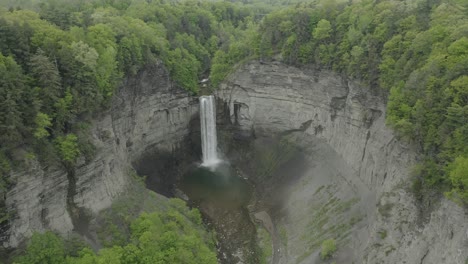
pixel 148 113
pixel 353 184
pixel 372 167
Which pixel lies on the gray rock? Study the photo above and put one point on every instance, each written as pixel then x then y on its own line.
pixel 353 155
pixel 148 112
pixel 269 98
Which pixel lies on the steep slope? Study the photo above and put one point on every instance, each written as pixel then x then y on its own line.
pixel 148 113
pixel 369 179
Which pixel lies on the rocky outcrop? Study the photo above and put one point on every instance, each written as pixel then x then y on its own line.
pixel 271 98
pixel 147 113
pixel 352 184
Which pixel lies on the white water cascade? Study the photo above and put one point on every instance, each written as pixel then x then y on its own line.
pixel 208 130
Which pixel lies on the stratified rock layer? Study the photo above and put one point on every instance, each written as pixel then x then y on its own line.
pixel 147 113
pixel 356 183
pixel 268 98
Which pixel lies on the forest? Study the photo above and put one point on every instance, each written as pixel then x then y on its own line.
pixel 172 236
pixel 62 61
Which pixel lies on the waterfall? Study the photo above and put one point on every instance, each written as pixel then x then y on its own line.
pixel 208 130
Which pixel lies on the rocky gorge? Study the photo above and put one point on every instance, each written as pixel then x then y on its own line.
pixel 346 176
pixel 149 113
pixel 356 161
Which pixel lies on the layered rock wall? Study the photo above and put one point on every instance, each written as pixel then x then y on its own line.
pixel 275 97
pixel 268 98
pixel 147 113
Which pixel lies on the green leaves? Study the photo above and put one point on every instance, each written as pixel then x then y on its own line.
pixel 323 30
pixel 419 54
pixel 62 61
pixel 328 248
pixel 159 237
pixel 67 147
pixel 12 95
pixel 458 175
pixel 84 54
pixel 46 248
pixel 184 67
pixel 47 77
pixel 43 122
pixel 458 90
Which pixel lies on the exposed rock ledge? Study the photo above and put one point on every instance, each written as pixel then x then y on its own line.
pixel 273 97
pixel 147 113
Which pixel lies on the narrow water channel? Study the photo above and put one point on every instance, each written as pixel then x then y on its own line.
pixel 223 197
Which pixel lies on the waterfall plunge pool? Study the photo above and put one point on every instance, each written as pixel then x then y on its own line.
pixel 223 197
pixel 218 186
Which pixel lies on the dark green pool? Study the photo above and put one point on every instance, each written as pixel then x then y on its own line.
pixel 219 186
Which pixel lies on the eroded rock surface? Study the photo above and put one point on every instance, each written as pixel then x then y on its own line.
pixel 147 113
pixel 349 181
pixel 370 179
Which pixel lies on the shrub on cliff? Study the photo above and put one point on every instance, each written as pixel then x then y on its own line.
pixel 328 248
pixel 458 173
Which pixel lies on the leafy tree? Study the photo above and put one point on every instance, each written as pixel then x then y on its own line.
pixel 67 147
pixel 84 54
pixel 166 237
pixel 47 78
pixel 43 122
pixel 45 248
pixel 64 113
pixel 12 86
pixel 323 30
pixel 458 175
pixel 184 67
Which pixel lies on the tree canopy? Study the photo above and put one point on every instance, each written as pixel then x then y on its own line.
pixel 415 53
pixel 172 236
pixel 61 61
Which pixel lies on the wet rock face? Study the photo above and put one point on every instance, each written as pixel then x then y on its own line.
pixel 263 99
pixel 148 114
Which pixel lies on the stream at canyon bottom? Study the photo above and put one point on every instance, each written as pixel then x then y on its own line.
pixel 222 197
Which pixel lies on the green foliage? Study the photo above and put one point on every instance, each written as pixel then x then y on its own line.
pixel 184 67
pixel 61 62
pixel 46 248
pixel 330 219
pixel 43 122
pixel 68 148
pixel 47 79
pixel 166 237
pixel 328 248
pixel 458 175
pixel 265 243
pixel 239 46
pixel 416 53
pixel 160 239
pixel 12 89
pixel 322 30
pixel 5 168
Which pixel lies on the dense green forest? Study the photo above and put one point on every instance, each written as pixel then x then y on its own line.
pixel 61 62
pixel 415 53
pixel 171 236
